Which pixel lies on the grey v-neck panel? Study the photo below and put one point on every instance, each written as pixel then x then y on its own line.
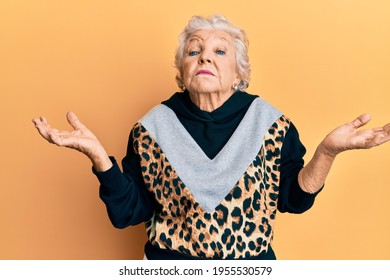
pixel 210 180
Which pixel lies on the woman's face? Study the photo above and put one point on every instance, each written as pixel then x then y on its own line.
pixel 209 62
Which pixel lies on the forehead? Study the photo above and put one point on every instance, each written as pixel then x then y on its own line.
pixel 205 35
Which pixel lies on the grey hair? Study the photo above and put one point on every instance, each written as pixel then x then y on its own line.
pixel 222 23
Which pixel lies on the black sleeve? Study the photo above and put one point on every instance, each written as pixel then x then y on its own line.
pixel 292 198
pixel 127 200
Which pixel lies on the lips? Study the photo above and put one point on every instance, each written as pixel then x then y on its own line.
pixel 204 72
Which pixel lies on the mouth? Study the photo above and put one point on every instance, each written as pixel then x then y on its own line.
pixel 204 72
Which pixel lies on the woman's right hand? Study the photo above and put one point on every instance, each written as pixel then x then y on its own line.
pixel 80 139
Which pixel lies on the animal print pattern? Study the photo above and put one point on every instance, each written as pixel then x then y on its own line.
pixel 240 226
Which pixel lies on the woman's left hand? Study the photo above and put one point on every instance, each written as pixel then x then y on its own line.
pixel 348 137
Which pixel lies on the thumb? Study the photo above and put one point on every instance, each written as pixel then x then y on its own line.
pixel 361 120
pixel 74 121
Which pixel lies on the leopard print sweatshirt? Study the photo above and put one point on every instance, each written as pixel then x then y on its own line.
pixel 198 206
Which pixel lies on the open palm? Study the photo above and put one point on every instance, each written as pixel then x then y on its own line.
pixel 348 137
pixel 80 139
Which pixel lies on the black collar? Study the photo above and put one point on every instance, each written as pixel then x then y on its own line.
pixel 182 105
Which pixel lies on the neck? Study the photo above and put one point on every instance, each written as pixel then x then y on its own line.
pixel 210 101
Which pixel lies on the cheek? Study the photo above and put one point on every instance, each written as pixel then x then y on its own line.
pixel 186 70
pixel 233 70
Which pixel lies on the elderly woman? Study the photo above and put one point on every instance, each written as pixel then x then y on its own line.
pixel 208 168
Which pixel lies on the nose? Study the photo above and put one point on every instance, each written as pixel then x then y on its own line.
pixel 204 58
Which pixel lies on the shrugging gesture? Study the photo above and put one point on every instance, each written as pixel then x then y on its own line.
pixel 213 72
pixel 348 137
pixel 80 139
pixel 343 138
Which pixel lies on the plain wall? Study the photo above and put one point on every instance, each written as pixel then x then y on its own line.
pixel 322 63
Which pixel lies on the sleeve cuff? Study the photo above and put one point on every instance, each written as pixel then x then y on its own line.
pixel 112 180
pixel 303 194
pixel 299 200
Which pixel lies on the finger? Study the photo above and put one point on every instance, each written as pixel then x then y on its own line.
pixel 61 132
pixel 38 121
pixel 387 128
pixel 55 138
pixel 42 128
pixel 42 122
pixel 379 139
pixel 65 140
pixel 74 121
pixel 45 122
pixel 361 120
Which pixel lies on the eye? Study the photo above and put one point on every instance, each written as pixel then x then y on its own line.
pixel 220 52
pixel 193 53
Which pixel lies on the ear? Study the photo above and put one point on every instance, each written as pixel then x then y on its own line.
pixel 236 82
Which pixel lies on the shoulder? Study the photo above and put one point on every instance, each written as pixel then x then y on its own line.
pixel 264 108
pixel 268 114
pixel 158 115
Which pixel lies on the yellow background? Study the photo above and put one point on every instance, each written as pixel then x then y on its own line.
pixel 320 62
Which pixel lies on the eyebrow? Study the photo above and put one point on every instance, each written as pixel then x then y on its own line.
pixel 192 40
pixel 197 38
pixel 224 39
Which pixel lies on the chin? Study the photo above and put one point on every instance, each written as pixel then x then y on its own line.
pixel 204 90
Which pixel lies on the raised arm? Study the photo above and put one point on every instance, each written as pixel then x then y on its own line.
pixel 80 139
pixel 346 137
